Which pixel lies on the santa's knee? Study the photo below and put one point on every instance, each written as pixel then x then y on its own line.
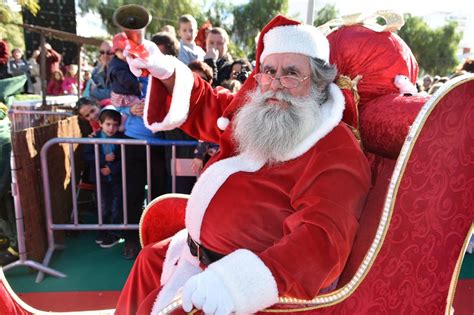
pixel 152 255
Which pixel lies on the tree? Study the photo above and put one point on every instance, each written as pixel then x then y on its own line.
pixel 10 30
pixel 220 14
pixel 250 18
pixel 163 11
pixel 434 49
pixel 327 13
pixel 30 5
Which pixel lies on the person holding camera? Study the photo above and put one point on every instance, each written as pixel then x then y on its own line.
pixel 240 71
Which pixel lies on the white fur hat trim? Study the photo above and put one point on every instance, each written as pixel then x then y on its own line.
pixel 299 39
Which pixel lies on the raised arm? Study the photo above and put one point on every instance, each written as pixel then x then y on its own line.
pixel 176 97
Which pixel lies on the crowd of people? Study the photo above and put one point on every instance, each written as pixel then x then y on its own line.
pixel 15 63
pixel 430 84
pixel 208 44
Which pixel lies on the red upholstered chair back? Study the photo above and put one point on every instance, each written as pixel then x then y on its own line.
pixel 162 218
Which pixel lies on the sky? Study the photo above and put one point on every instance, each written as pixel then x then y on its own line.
pixel 434 12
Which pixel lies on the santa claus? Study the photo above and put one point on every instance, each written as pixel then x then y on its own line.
pixel 276 210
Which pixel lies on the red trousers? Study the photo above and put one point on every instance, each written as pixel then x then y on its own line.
pixel 143 283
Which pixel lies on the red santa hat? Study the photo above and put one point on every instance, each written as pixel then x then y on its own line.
pixel 281 35
pixel 307 41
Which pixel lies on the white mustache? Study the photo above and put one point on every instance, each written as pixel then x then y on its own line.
pixel 281 96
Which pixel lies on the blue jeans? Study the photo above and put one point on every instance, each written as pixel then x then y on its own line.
pixel 112 202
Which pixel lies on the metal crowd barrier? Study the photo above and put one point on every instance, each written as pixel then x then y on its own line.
pixel 75 225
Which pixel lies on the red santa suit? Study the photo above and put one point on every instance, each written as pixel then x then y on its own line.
pixel 286 229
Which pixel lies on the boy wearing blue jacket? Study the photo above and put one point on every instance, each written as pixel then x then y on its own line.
pixel 110 173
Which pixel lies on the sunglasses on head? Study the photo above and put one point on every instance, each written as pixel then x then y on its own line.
pixel 108 52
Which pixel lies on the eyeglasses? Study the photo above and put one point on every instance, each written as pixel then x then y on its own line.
pixel 108 52
pixel 287 81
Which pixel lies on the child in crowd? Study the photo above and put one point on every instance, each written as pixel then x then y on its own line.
pixel 70 84
pixel 55 84
pixel 125 86
pixel 187 30
pixel 88 109
pixel 110 173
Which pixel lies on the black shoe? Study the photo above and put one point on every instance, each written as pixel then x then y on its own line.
pixel 109 241
pixel 99 239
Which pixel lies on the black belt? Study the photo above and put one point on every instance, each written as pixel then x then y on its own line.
pixel 205 256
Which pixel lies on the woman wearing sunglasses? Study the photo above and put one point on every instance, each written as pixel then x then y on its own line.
pixel 99 86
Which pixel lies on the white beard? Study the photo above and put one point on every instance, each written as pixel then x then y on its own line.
pixel 269 132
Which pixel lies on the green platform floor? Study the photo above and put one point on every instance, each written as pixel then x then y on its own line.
pixel 88 268
pixel 467 269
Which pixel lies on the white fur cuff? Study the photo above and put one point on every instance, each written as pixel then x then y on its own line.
pixel 179 108
pixel 178 267
pixel 250 282
pixel 178 242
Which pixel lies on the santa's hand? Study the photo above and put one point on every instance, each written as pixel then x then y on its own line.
pixel 156 63
pixel 207 292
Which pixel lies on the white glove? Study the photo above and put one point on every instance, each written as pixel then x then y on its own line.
pixel 159 65
pixel 207 292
